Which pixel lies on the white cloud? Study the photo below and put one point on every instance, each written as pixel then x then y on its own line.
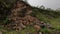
pixel 47 3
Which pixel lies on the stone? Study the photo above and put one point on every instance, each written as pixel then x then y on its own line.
pixel 35 32
pixel 0 32
pixel 40 32
pixel 37 27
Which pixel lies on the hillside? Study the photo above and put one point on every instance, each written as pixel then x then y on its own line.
pixel 25 19
pixel 46 15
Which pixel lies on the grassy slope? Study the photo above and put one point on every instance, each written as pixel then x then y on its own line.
pixel 55 22
pixel 53 18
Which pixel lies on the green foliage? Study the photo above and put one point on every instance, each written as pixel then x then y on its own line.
pixel 55 23
pixel 47 31
pixel 5 6
pixel 7 3
pixel 28 29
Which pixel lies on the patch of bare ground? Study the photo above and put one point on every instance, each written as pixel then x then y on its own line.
pixel 0 32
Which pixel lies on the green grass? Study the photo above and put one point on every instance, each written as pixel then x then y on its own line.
pixel 27 29
pixel 55 23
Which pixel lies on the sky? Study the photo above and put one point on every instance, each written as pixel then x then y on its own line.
pixel 53 4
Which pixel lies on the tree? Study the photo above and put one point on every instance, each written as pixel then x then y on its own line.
pixel 42 7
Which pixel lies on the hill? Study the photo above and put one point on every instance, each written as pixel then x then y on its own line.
pixel 44 20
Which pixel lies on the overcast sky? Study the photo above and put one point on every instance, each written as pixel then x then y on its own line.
pixel 54 4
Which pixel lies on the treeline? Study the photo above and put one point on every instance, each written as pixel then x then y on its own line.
pixel 5 8
pixel 47 12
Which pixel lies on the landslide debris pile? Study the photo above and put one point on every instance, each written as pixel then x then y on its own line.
pixel 20 18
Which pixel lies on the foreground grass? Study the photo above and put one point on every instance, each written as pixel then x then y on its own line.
pixel 27 30
pixel 55 23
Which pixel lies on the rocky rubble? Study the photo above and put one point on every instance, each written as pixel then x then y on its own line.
pixel 20 18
